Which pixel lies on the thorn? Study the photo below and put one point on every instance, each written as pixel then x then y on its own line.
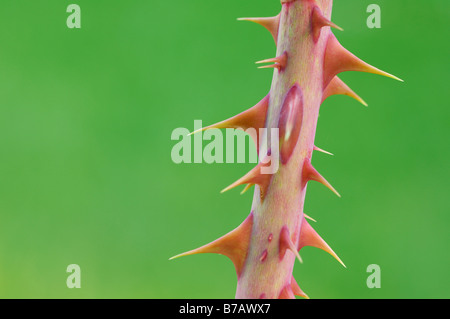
pixel 255 176
pixel 234 245
pixel 246 188
pixel 271 24
pixel 296 289
pixel 310 173
pixel 279 62
pixel 338 87
pixel 286 243
pixel 321 150
pixel 319 21
pixel 290 122
pixel 274 66
pixel 254 117
pixel 338 59
pixel 286 293
pixel 309 237
pixel 310 218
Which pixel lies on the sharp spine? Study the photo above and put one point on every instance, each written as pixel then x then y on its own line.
pixel 338 87
pixel 310 173
pixel 318 21
pixel 271 24
pixel 338 59
pixel 309 237
pixel 234 245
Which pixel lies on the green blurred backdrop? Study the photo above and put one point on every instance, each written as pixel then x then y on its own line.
pixel 86 176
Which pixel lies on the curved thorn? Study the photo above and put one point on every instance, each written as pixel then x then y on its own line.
pixel 338 59
pixel 310 173
pixel 271 24
pixel 338 87
pixel 234 245
pixel 287 244
pixel 309 237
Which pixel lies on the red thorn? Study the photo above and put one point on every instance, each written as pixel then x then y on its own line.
pixel 234 245
pixel 309 237
pixel 271 24
pixel 321 150
pixel 338 59
pixel 255 176
pixel 286 243
pixel 290 122
pixel 279 62
pixel 318 21
pixel 296 289
pixel 338 87
pixel 286 293
pixel 254 117
pixel 309 173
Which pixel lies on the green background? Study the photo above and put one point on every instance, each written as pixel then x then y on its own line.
pixel 86 175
